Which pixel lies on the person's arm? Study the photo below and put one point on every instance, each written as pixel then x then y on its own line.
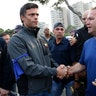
pixel 76 68
pixel 6 70
pixel 17 47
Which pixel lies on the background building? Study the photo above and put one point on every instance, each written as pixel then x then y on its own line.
pixel 59 15
pixel 65 16
pixel 42 26
pixel 80 7
pixel 69 18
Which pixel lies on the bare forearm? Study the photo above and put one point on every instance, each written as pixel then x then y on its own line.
pixel 77 68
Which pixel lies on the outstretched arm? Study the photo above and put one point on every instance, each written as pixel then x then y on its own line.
pixel 76 68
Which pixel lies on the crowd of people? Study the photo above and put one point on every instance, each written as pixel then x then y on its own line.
pixel 35 65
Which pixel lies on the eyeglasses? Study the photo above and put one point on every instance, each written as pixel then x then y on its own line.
pixel 57 29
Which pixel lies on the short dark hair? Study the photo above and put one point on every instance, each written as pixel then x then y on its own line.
pixel 3 34
pixel 26 7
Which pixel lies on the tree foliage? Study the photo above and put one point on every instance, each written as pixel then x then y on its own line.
pixel 69 29
pixel 9 31
pixel 57 5
pixel 1 30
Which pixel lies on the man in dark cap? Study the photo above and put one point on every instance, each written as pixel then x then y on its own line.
pixel 63 53
pixel 58 25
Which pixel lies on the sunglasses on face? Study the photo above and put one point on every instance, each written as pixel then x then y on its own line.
pixel 57 29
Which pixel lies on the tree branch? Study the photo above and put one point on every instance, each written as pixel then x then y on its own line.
pixel 74 11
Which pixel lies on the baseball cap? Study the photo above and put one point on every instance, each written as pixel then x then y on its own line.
pixel 59 24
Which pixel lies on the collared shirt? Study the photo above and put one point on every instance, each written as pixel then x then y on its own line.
pixel 62 53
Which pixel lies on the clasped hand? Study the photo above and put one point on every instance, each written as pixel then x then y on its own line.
pixel 63 71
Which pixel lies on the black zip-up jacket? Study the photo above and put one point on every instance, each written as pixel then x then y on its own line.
pixel 37 69
pixel 81 35
pixel 6 70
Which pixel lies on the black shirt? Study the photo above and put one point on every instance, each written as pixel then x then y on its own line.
pixel 6 71
pixel 81 35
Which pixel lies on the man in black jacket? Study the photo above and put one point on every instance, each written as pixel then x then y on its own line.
pixel 81 35
pixel 32 59
pixel 6 72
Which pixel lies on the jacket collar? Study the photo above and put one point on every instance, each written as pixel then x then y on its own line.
pixel 32 31
pixel 62 41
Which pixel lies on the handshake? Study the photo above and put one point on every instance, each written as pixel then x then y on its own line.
pixel 64 71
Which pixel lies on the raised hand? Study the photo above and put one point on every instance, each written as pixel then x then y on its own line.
pixel 72 41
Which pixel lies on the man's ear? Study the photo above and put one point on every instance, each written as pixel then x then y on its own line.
pixel 22 18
